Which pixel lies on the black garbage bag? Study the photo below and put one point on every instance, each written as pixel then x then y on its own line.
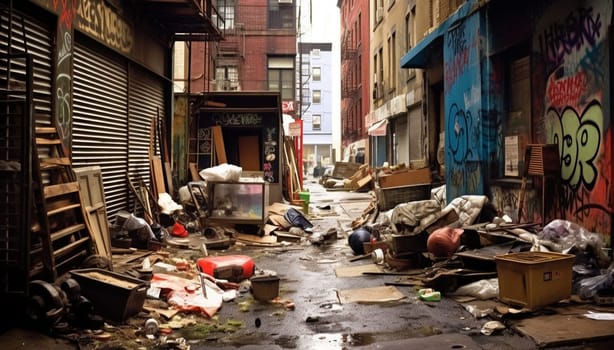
pixel 296 218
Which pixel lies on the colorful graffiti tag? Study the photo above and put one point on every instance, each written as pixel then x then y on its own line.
pixel 463 105
pixel 570 42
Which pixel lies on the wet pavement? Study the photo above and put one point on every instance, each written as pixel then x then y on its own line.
pixel 308 314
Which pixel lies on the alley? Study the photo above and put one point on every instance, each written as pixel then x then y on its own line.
pixel 309 313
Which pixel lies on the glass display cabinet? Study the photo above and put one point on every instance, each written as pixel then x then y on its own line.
pixel 238 202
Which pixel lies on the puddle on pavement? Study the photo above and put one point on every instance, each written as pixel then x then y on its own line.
pixel 324 341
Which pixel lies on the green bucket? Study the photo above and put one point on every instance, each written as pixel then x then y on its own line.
pixel 304 196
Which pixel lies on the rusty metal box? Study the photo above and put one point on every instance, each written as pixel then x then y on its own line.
pixel 114 296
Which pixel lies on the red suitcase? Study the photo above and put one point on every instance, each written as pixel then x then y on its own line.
pixel 233 268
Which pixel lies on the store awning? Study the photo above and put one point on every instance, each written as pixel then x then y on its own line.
pixel 419 55
pixel 378 128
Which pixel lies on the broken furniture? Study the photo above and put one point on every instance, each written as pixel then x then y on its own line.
pixel 541 161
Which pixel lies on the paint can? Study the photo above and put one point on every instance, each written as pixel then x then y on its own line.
pixel 377 256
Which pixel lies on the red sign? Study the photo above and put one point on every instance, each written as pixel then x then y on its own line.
pixel 287 106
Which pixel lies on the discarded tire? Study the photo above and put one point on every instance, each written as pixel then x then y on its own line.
pixel 357 238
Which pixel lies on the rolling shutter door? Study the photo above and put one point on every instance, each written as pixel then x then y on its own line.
pixel 34 38
pixel 146 101
pixel 100 127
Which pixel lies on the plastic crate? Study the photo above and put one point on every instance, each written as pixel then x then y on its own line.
pixel 534 279
pixel 388 198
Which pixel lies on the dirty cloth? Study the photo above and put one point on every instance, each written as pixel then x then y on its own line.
pixel 187 295
pixel 417 214
pixel 411 213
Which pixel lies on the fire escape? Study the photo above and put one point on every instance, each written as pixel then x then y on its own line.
pixel 350 87
pixel 229 52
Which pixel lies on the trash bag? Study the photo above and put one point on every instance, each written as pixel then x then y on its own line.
pixel 590 286
pixel 569 234
pixel 482 289
pixel 296 218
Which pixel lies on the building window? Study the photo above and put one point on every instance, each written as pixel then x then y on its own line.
pixel 379 11
pixel 281 76
pixel 227 78
pixel 316 73
pixel 409 26
pixel 281 14
pixel 316 122
pixel 392 61
pixel 316 97
pixel 226 8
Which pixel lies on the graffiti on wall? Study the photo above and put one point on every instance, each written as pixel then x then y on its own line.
pixel 65 10
pixel 576 68
pixel 270 151
pixel 581 28
pixel 98 19
pixel 462 82
pixel 578 136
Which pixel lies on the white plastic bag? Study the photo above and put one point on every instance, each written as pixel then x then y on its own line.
pixel 482 289
pixel 223 172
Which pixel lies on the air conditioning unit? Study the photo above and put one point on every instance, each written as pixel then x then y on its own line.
pixel 379 14
pixel 284 1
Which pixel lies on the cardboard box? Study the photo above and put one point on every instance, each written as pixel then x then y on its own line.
pixel 406 178
pixel 534 279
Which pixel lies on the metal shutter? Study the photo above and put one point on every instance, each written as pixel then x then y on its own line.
pixel 146 99
pixel 100 126
pixel 34 38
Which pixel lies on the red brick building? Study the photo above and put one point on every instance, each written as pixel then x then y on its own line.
pixel 258 51
pixel 355 58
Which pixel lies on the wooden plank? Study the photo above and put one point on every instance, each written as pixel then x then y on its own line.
pixel 194 172
pixel 47 142
pixel 60 189
pixel 218 142
pixel 158 176
pixel 92 198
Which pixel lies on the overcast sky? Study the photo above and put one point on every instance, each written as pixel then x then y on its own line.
pixel 324 28
pixel 324 21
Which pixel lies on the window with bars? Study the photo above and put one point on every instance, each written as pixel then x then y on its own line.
pixel 281 14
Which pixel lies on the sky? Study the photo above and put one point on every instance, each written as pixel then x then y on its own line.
pixel 324 28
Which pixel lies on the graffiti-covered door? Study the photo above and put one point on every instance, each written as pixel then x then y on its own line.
pixel 462 96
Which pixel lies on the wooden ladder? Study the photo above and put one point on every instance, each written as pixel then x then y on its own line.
pixel 61 230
